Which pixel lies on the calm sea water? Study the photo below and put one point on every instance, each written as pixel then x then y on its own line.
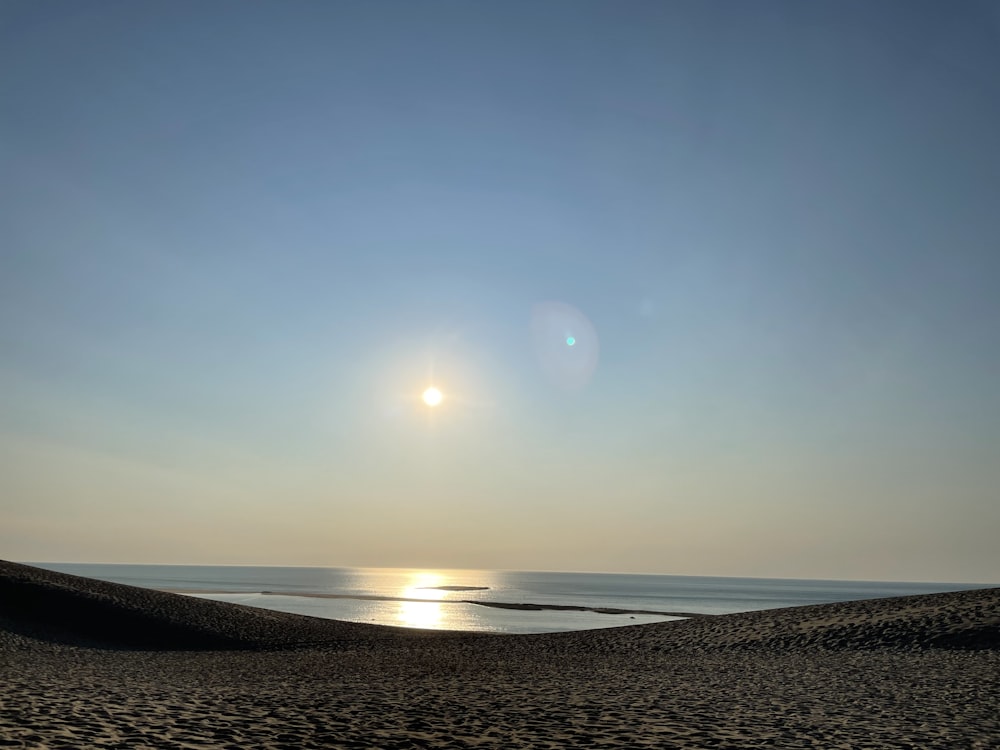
pixel 445 599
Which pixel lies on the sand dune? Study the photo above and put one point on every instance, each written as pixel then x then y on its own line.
pixel 89 664
pixel 72 610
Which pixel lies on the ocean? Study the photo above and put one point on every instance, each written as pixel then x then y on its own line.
pixel 489 600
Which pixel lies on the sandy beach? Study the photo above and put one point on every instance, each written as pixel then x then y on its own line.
pixel 89 664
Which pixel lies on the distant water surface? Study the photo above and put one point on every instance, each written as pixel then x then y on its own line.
pixel 445 599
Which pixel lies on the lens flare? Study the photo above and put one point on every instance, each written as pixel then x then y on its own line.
pixel 565 343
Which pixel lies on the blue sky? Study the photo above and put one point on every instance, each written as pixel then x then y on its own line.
pixel 237 240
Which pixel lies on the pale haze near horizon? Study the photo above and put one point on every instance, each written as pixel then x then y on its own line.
pixel 238 240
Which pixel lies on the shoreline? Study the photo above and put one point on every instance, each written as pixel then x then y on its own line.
pixel 521 606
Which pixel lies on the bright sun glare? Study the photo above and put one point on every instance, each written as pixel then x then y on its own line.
pixel 432 397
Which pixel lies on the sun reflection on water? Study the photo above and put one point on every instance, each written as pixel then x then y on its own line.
pixel 429 613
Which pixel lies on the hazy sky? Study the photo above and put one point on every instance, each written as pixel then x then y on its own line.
pixel 239 239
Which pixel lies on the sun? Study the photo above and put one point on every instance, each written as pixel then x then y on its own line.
pixel 432 397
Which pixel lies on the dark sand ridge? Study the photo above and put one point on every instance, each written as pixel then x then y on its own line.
pixel 91 664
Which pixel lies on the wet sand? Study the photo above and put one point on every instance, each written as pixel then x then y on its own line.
pixel 89 664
